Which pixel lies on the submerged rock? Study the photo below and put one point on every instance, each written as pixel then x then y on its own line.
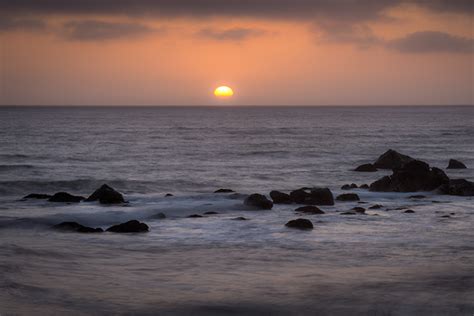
pixel 309 209
pixel 258 201
pixel 313 196
pixel 106 195
pixel 392 159
pixel 210 213
pixel 158 216
pixel 348 213
pixel 76 227
pixel 346 197
pixel 460 187
pixel 132 226
pixel 37 196
pixel 240 218
pixel 65 197
pixel 455 164
pixel 418 196
pixel 224 191
pixel 368 167
pixel 409 211
pixel 300 223
pixel 280 197
pixel 195 216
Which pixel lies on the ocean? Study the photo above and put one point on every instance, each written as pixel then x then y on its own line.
pixel 385 263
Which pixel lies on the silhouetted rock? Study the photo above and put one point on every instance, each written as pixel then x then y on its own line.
pixel 460 187
pixel 168 195
pixel 392 160
pixel 309 209
pixel 414 176
pixel 364 186
pixel 375 207
pixel 455 164
pixel 240 218
pixel 409 211
pixel 195 216
pixel 132 226
pixel 258 201
pixel 280 197
pixel 313 196
pixel 300 223
pixel 76 227
pixel 37 196
pixel 358 209
pixel 446 216
pixel 224 191
pixel 368 167
pixel 349 186
pixel 418 196
pixel 348 213
pixel 211 213
pixel 65 197
pixel 106 195
pixel 347 197
pixel 158 216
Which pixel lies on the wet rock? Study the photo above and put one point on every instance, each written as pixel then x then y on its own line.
pixel 258 201
pixel 348 213
pixel 211 213
pixel 280 197
pixel 106 195
pixel 158 216
pixel 240 218
pixel 76 227
pixel 168 195
pixel 414 176
pixel 409 211
pixel 346 197
pixel 224 191
pixel 37 196
pixel 419 196
pixel 358 209
pixel 364 186
pixel 65 197
pixel 313 196
pixel 349 186
pixel 455 164
pixel 368 167
pixel 195 216
pixel 132 226
pixel 375 207
pixel 392 159
pixel 300 223
pixel 309 209
pixel 459 187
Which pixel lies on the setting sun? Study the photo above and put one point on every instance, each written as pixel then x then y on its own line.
pixel 223 92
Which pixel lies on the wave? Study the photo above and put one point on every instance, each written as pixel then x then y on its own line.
pixel 15 167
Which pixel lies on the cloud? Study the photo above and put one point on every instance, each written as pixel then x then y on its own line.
pixel 431 42
pixel 93 30
pixel 234 34
pixel 8 24
pixel 339 32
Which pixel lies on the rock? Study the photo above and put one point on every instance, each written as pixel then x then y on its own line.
pixel 364 186
pixel 240 218
pixel 76 227
pixel 65 197
pixel 418 196
pixel 392 160
pixel 158 216
pixel 375 207
pixel 358 209
pixel 409 211
pixel 195 216
pixel 37 196
pixel 132 226
pixel 280 197
pixel 348 213
pixel 368 167
pixel 309 209
pixel 224 191
pixel 300 223
pixel 459 187
pixel 210 213
pixel 258 201
pixel 347 197
pixel 455 164
pixel 414 176
pixel 313 196
pixel 349 186
pixel 106 195
pixel 446 216
pixel 168 195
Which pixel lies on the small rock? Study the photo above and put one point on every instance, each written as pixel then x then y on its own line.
pixel 210 213
pixel 168 195
pixel 65 197
pixel 375 207
pixel 455 164
pixel 348 213
pixel 313 196
pixel 158 216
pixel 409 211
pixel 106 195
pixel 240 218
pixel 37 196
pixel 347 197
pixel 300 223
pixel 417 197
pixel 358 209
pixel 364 186
pixel 280 197
pixel 309 209
pixel 258 201
pixel 132 226
pixel 76 227
pixel 368 167
pixel 446 216
pixel 224 191
pixel 195 216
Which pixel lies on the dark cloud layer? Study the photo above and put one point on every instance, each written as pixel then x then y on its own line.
pixel 92 30
pixel 8 24
pixel 234 34
pixel 430 42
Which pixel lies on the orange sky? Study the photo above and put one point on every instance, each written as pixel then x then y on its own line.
pixel 410 55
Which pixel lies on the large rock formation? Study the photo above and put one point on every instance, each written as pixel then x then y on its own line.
pixel 414 176
pixel 368 167
pixel 106 195
pixel 258 201
pixel 132 226
pixel 455 164
pixel 280 197
pixel 312 196
pixel 65 197
pixel 392 160
pixel 460 187
pixel 300 223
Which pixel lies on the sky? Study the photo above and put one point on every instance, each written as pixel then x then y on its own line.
pixel 271 52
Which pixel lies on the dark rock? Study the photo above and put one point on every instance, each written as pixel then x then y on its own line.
pixel 258 201
pixel 240 218
pixel 414 176
pixel 300 223
pixel 132 226
pixel 224 191
pixel 419 196
pixel 76 227
pixel 309 209
pixel 375 207
pixel 368 167
pixel 348 213
pixel 358 209
pixel 361 202
pixel 313 196
pixel 210 213
pixel 364 186
pixel 195 216
pixel 280 197
pixel 409 211
pixel 392 160
pixel 455 164
pixel 106 195
pixel 168 195
pixel 158 216
pixel 37 196
pixel 446 216
pixel 348 197
pixel 65 197
pixel 459 187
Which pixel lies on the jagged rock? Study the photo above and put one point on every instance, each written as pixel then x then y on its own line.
pixel 455 164
pixel 280 197
pixel 65 197
pixel 460 187
pixel 309 209
pixel 224 191
pixel 76 227
pixel 300 223
pixel 347 197
pixel 106 195
pixel 37 196
pixel 392 160
pixel 132 226
pixel 368 167
pixel 313 196
pixel 364 186
pixel 258 201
